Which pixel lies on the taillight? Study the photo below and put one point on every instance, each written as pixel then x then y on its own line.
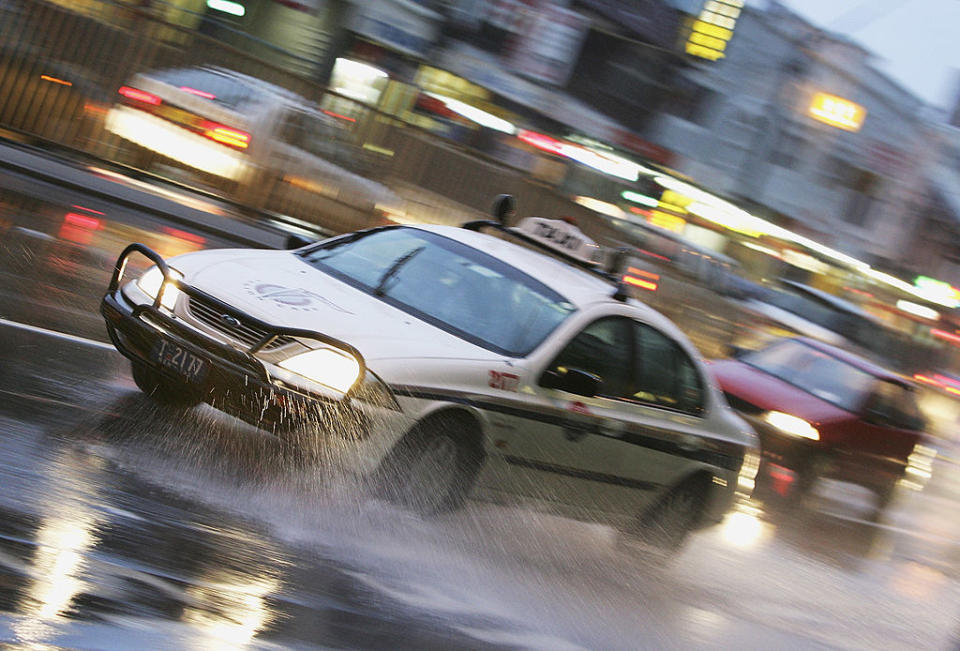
pixel 226 135
pixel 138 95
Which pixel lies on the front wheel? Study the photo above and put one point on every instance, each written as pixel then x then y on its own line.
pixel 433 468
pixel 163 390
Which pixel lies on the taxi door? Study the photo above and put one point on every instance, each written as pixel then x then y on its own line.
pixel 599 453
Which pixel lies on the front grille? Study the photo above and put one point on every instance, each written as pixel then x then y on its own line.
pixel 246 333
pixel 742 405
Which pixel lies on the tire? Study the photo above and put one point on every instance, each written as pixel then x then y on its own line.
pixel 163 390
pixel 433 468
pixel 811 474
pixel 668 523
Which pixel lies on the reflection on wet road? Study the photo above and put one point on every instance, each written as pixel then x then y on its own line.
pixel 125 525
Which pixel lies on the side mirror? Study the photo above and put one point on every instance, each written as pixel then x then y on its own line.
pixel 504 208
pixel 574 381
pixel 295 241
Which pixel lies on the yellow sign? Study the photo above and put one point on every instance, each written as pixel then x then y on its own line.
pixel 712 29
pixel 666 221
pixel 837 112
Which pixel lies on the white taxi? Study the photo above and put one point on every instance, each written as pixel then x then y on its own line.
pixel 443 363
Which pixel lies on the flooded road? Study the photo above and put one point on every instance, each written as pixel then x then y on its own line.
pixel 127 525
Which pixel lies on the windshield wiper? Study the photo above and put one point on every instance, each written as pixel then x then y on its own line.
pixel 380 290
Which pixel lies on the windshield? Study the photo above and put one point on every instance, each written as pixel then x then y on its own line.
pixel 448 284
pixel 814 371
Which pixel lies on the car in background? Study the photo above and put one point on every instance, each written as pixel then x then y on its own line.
pixel 443 362
pixel 262 144
pixel 822 412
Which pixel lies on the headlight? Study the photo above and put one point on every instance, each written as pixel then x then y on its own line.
pixel 792 425
pixel 332 368
pixel 149 283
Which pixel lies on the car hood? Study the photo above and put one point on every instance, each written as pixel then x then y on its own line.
pixel 768 393
pixel 280 288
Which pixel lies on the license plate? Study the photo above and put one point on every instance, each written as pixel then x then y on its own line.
pixel 169 355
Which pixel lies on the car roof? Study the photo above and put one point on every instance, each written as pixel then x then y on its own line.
pixel 854 360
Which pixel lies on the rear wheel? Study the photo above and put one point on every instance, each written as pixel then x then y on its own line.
pixel 434 467
pixel 162 389
pixel 669 522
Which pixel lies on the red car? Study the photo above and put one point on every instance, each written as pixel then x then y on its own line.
pixel 823 412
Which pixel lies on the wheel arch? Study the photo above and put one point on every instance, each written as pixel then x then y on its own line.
pixel 472 417
pixel 702 479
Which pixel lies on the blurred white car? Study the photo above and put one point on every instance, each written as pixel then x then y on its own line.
pixel 444 362
pixel 270 141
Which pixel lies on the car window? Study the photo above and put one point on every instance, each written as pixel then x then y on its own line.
pixel 814 371
pixel 322 138
pixel 449 284
pixel 665 376
pixel 604 349
pixel 217 87
pixel 896 405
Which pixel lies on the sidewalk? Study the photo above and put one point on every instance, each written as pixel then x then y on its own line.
pixel 217 218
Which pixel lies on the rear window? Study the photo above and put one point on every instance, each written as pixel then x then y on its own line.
pixel 217 87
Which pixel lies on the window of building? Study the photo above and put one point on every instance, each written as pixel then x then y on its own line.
pixel 788 150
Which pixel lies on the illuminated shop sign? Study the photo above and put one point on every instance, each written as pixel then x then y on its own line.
pixel 713 28
pixel 837 112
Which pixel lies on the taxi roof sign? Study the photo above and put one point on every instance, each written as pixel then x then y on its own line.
pixel 562 236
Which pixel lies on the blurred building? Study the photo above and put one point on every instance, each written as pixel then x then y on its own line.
pixel 933 246
pixel 795 124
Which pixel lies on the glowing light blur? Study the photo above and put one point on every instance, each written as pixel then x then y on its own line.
pixel 792 425
pixel 917 310
pixel 946 336
pixel 83 221
pixel 139 95
pixel 199 93
pixel 837 112
pixel 357 80
pixel 743 527
pixel 936 291
pixel 226 135
pixel 642 199
pixel 166 138
pixel 642 284
pixel 56 80
pixel 474 114
pixel 227 7
pixel 601 207
pixel 713 28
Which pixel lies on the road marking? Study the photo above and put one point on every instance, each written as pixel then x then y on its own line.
pixel 59 335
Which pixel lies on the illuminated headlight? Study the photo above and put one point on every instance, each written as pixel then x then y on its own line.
pixel 792 425
pixel 150 282
pixel 332 368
